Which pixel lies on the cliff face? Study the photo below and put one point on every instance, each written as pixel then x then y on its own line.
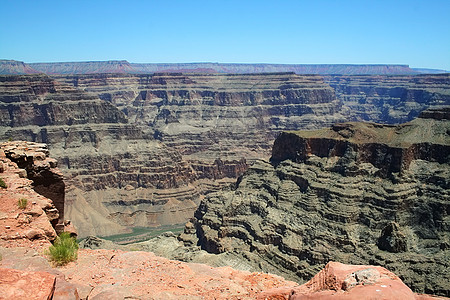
pixel 13 67
pixel 355 193
pixel 31 177
pixel 389 148
pixel 37 100
pixel 41 170
pixel 134 146
pixel 230 116
pixel 209 117
pixel 117 176
pixel 390 99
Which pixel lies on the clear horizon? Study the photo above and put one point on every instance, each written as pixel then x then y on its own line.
pixel 414 33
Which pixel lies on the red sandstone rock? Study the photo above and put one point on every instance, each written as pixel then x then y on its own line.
pixel 30 226
pixel 340 281
pixel 146 276
pixel 15 284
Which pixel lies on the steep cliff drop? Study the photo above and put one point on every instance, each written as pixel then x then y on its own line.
pixel 32 198
pixel 355 193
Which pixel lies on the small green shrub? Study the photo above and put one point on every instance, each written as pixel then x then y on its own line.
pixel 2 183
pixel 63 250
pixel 22 203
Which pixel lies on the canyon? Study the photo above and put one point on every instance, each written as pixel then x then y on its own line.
pixel 26 233
pixel 140 150
pixel 150 150
pixel 99 152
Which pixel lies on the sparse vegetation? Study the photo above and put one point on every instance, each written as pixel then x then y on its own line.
pixel 63 250
pixel 2 183
pixel 22 203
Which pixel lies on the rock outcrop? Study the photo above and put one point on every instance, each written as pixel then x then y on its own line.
pixel 339 281
pixel 15 284
pixel 115 274
pixel 42 171
pixel 26 217
pixel 354 193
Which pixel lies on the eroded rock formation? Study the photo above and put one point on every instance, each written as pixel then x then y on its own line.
pixel 390 99
pixel 217 116
pixel 339 281
pixel 331 195
pixel 146 154
pixel 26 216
pixel 41 170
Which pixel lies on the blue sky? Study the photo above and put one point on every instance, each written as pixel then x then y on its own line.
pixel 305 32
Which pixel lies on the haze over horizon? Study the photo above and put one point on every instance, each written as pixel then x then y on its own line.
pixel 413 33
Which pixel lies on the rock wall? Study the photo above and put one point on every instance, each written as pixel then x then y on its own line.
pixel 42 171
pixel 30 178
pixel 340 194
pixel 157 143
pixel 217 116
pixel 390 99
pixel 237 115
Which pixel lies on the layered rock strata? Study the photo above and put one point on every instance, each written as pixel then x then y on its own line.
pixel 219 123
pixel 355 193
pixel 208 113
pixel 123 66
pixel 390 99
pixel 215 120
pixel 117 175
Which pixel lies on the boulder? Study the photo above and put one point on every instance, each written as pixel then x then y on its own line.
pixel 340 281
pixel 392 239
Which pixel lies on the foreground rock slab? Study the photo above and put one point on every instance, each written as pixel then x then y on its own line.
pixel 15 284
pixel 340 281
pixel 144 275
